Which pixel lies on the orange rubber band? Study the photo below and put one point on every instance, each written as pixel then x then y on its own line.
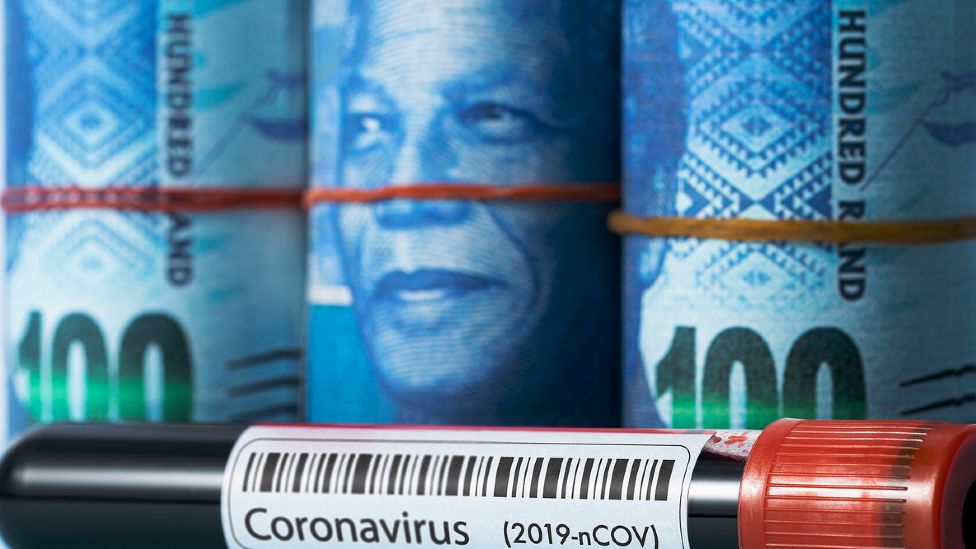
pixel 761 230
pixel 580 192
pixel 149 199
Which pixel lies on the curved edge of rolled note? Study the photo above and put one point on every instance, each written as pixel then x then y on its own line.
pixel 797 230
pixel 31 199
pixel 606 191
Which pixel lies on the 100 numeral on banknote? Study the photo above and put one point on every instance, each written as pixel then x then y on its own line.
pixel 739 345
pixel 172 363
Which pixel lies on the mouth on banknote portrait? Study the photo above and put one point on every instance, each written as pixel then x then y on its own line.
pixel 432 301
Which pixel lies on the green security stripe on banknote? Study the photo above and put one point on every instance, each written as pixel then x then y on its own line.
pixel 808 109
pixel 161 316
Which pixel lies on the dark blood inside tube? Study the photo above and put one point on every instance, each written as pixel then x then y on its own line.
pixel 969 518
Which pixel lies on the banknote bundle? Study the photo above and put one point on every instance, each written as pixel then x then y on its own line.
pixel 817 110
pixel 465 156
pixel 156 156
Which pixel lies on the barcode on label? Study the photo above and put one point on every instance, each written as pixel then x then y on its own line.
pixel 454 475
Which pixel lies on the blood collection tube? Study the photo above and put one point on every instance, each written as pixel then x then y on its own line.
pixel 802 484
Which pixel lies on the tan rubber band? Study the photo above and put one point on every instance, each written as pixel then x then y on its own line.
pixel 761 230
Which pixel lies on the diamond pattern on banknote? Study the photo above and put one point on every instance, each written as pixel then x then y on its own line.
pixel 760 274
pixel 52 49
pixel 94 90
pixel 90 13
pixel 759 92
pixel 93 103
pixel 703 192
pixel 95 253
pixel 791 51
pixel 805 195
pixel 707 53
pixel 754 12
pixel 757 125
pixel 95 126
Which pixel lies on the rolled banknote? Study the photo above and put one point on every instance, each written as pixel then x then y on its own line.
pixel 155 244
pixel 3 183
pixel 465 158
pixel 844 110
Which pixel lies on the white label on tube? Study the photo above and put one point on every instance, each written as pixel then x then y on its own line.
pixel 483 488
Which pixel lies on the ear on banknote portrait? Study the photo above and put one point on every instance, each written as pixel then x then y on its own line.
pixel 464 301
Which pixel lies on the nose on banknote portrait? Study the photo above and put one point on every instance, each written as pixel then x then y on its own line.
pixel 843 110
pixel 464 311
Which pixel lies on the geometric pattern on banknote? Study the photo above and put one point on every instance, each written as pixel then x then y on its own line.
pixel 747 274
pixel 90 250
pixel 101 251
pixel 758 78
pixel 93 65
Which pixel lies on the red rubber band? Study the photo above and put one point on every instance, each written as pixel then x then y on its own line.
pixel 149 199
pixel 580 192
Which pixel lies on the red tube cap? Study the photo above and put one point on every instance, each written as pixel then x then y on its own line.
pixel 860 484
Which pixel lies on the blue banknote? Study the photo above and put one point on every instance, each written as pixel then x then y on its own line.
pixel 813 110
pixel 458 311
pixel 155 316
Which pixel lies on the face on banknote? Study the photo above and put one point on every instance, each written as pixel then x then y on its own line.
pixel 461 304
